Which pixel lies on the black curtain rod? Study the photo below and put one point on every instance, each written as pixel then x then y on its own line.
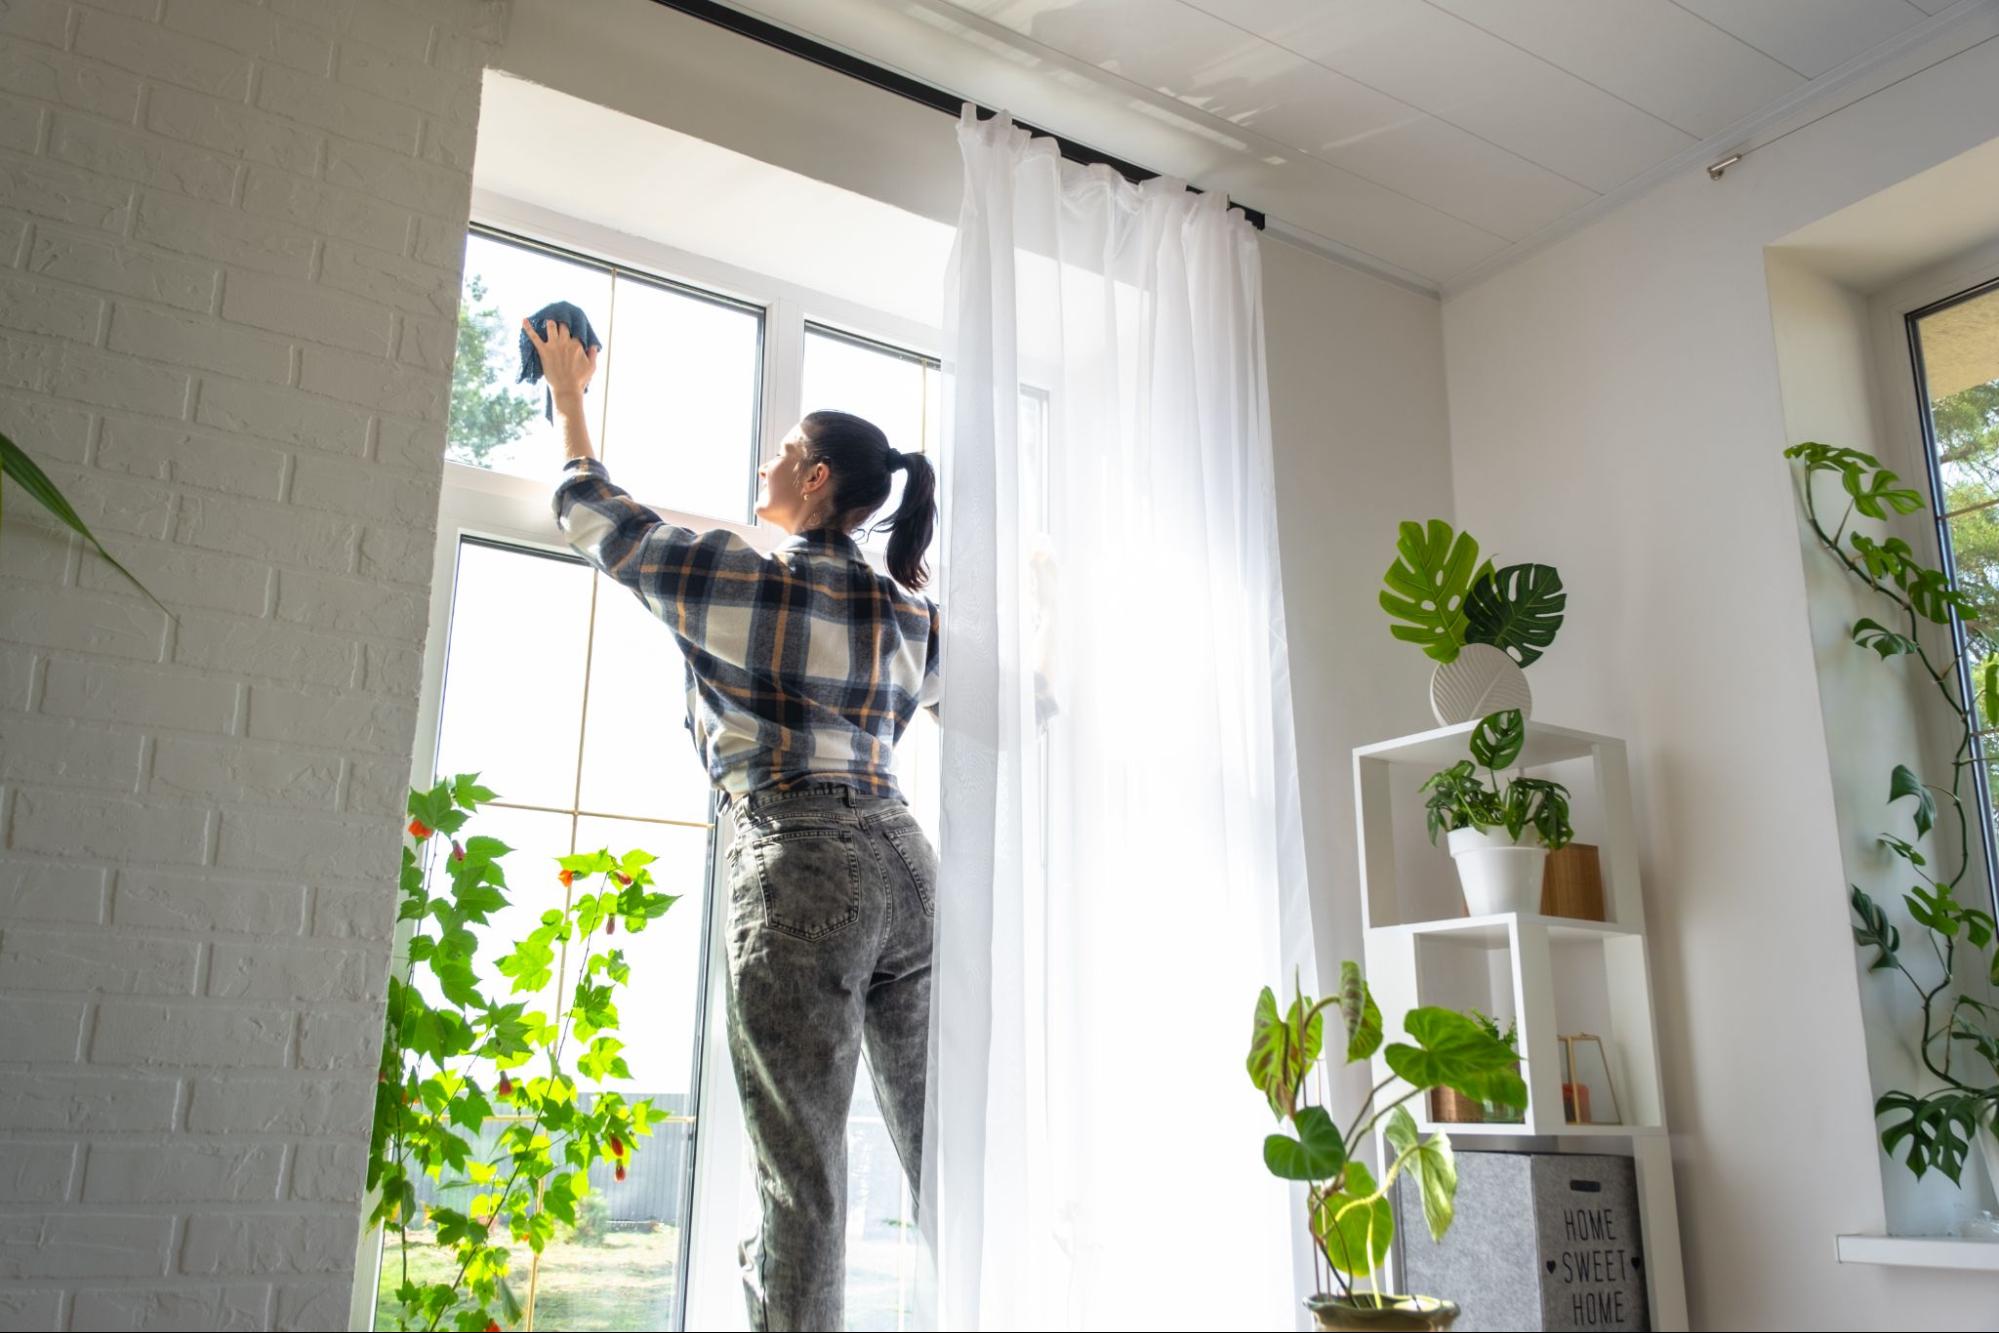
pixel 783 39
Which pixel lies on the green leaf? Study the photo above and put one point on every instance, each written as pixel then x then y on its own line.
pixel 1498 739
pixel 1355 1229
pixel 15 465
pixel 1432 1165
pixel 1933 1132
pixel 1518 609
pixel 1987 675
pixel 1873 634
pixel 1275 1059
pixel 1427 586
pixel 1363 1016
pixel 1452 1052
pixel 1316 1154
pixel 1906 783
pixel 1874 496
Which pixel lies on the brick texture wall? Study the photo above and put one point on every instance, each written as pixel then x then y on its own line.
pixel 230 240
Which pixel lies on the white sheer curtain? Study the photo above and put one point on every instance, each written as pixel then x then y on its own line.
pixel 1123 865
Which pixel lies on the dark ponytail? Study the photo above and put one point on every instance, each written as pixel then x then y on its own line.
pixel 860 458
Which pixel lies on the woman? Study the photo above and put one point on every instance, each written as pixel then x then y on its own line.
pixel 803 668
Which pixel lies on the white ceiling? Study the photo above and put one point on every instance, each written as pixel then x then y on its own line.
pixel 1423 138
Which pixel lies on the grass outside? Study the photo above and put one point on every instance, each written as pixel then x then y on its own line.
pixel 624 1281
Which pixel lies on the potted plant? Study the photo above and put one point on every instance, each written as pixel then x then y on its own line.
pixel 1499 834
pixel 1347 1210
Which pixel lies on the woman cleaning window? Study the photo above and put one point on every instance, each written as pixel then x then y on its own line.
pixel 803 669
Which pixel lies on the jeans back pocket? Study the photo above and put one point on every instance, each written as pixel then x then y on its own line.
pixel 810 878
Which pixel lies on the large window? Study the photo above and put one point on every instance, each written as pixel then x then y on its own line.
pixel 567 696
pixel 1956 348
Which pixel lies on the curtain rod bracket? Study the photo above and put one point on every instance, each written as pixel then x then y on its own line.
pixel 1715 170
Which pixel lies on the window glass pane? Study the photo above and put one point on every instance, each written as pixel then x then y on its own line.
pixel 638 758
pixel 681 400
pixel 514 676
pixel 496 422
pixel 887 389
pixel 1960 347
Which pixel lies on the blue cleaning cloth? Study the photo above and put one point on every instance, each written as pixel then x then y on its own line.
pixel 571 317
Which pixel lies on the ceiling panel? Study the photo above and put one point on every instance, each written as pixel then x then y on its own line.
pixel 1652 54
pixel 1417 155
pixel 1442 65
pixel 1811 36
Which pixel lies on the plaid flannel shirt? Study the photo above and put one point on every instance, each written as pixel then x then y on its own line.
pixel 802 666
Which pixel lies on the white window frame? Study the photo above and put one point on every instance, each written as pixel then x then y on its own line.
pixel 516 510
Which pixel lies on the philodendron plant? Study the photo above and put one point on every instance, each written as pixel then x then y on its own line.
pixel 1959 1039
pixel 1444 598
pixel 1460 798
pixel 1347 1208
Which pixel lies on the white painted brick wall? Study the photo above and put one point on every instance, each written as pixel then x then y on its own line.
pixel 230 241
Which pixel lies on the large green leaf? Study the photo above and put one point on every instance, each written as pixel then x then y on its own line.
pixel 1518 609
pixel 1428 584
pixel 1354 1229
pixel 1869 633
pixel 1316 1154
pixel 1498 738
pixel 1875 495
pixel 1363 1016
pixel 1934 1132
pixel 1281 1049
pixel 1432 1165
pixel 1452 1051
pixel 1904 782
pixel 16 466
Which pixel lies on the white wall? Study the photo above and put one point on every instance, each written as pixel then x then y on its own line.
pixel 1616 410
pixel 230 239
pixel 1360 431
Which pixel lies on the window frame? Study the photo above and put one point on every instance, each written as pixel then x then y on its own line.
pixel 1907 434
pixel 510 510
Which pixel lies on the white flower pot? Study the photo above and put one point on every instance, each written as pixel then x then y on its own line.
pixel 1498 875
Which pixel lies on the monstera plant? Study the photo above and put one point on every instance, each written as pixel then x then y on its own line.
pixel 1442 597
pixel 1951 981
pixel 1347 1210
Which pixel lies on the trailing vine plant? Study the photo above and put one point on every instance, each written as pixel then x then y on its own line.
pixel 1959 1043
pixel 451 1065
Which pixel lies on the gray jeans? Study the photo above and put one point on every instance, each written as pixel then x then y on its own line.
pixel 831 898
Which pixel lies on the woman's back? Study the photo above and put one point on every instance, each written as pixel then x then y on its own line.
pixel 802 666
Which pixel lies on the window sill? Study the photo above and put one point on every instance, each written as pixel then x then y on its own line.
pixel 1921 1252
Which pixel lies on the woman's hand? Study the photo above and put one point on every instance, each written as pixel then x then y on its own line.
pixel 566 364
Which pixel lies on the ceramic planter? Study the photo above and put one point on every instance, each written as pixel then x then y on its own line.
pixel 1360 1315
pixel 1497 874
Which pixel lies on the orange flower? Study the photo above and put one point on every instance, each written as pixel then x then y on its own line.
pixel 506 1088
pixel 617 1146
pixel 623 878
pixel 610 925
pixel 419 830
pixel 620 1173
pixel 457 852
pixel 567 877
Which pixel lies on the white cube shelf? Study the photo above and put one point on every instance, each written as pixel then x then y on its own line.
pixel 1419 953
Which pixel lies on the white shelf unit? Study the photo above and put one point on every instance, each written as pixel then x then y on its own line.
pixel 1418 954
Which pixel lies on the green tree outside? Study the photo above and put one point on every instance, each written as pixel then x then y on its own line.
pixel 485 413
